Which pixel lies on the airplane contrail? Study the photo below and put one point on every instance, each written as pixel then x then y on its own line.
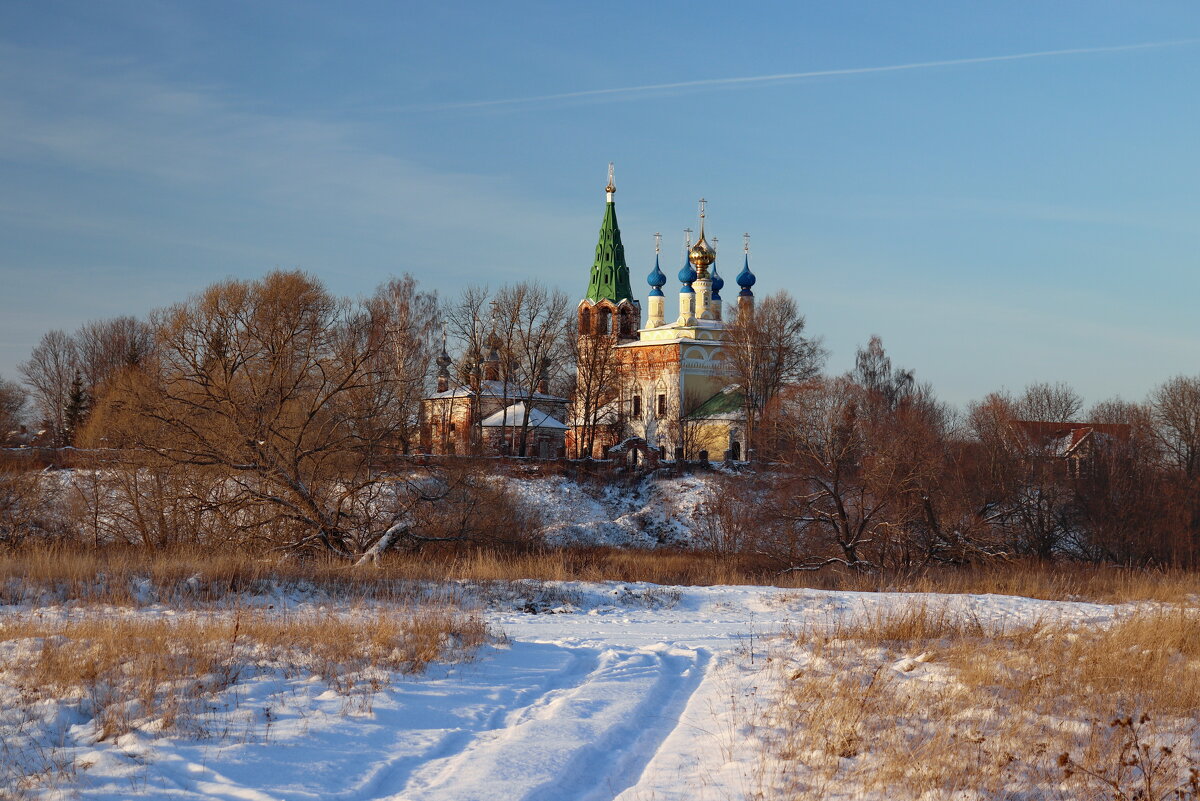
pixel 790 76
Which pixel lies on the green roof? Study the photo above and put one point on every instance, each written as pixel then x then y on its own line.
pixel 610 275
pixel 730 400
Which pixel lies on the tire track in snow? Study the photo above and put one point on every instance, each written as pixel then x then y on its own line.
pixel 583 743
pixel 396 771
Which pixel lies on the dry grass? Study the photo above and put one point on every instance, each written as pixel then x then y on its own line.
pixel 151 675
pixel 113 575
pixel 1053 582
pixel 919 705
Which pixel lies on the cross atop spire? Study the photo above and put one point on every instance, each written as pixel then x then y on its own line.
pixel 657 243
pixel 746 244
pixel 612 187
pixel 687 238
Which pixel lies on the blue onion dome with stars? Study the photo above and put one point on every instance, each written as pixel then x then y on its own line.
pixel 746 279
pixel 657 280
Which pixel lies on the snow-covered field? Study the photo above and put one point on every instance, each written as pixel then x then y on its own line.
pixel 595 691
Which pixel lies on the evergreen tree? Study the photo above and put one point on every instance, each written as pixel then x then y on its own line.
pixel 79 403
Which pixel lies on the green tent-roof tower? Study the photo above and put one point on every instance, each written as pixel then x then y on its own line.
pixel 610 274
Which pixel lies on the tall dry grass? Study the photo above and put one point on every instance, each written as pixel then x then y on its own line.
pixel 115 574
pixel 132 673
pixel 921 704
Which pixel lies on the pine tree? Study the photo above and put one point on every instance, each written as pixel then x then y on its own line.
pixel 79 402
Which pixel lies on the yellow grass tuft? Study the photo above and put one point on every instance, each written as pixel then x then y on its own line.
pixel 913 704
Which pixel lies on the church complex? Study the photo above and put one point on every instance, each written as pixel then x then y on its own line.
pixel 662 387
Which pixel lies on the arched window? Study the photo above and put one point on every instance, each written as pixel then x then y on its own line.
pixel 603 322
pixel 585 320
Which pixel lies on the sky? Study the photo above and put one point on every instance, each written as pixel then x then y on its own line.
pixel 1005 192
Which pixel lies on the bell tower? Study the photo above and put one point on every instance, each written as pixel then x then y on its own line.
pixel 609 308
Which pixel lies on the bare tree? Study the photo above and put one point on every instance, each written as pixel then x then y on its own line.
pixel 468 322
pixel 106 347
pixel 1176 409
pixel 857 477
pixel 885 386
pixel 411 318
pixel 12 408
pixel 596 388
pixel 48 374
pixel 688 429
pixel 1050 403
pixel 1122 494
pixel 1029 498
pixel 287 392
pixel 767 350
pixel 535 325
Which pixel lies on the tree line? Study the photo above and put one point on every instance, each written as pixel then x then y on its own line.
pixel 868 470
pixel 262 410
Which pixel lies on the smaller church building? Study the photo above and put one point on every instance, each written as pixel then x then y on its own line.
pixel 487 415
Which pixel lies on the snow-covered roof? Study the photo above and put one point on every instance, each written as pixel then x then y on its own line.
pixel 513 415
pixel 494 389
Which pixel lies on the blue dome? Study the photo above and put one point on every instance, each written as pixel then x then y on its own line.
pixel 657 279
pixel 745 278
pixel 688 273
pixel 718 283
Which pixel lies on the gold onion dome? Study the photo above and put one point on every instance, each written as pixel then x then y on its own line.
pixel 701 255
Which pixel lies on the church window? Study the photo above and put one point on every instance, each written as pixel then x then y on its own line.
pixel 662 404
pixel 585 321
pixel 637 405
pixel 603 322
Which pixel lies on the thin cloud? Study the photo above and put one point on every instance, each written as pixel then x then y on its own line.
pixel 631 91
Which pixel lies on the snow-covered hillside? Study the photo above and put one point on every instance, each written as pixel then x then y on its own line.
pixel 615 691
pixel 658 510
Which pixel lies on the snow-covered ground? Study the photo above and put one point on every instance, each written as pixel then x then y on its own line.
pixel 657 510
pixel 598 691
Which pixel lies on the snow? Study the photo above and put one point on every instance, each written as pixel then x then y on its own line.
pixel 513 415
pixel 622 691
pixel 657 510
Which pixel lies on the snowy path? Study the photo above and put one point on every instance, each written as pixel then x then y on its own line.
pixel 626 694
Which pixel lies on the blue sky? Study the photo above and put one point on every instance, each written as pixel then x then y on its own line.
pixel 996 222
